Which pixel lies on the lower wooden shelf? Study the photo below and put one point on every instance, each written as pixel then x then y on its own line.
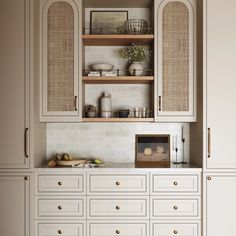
pixel 118 119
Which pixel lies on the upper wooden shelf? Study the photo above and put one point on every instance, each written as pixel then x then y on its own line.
pixel 115 39
pixel 118 79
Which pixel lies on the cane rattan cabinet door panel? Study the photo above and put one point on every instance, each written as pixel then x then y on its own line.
pixel 175 50
pixel 60 30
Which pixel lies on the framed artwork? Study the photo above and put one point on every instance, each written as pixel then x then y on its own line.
pixel 107 22
pixel 152 151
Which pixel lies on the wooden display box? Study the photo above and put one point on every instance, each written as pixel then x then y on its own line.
pixel 152 151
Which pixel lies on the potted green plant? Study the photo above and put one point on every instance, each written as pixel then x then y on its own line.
pixel 136 53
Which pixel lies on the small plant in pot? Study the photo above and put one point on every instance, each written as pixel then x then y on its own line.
pixel 136 53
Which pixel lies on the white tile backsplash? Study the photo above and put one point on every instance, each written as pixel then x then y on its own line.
pixel 112 142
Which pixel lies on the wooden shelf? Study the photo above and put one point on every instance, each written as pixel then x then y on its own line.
pixel 115 40
pixel 118 79
pixel 118 119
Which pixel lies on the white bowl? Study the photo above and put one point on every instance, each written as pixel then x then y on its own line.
pixel 102 66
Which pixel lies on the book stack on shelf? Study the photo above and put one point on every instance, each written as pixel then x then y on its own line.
pixel 102 73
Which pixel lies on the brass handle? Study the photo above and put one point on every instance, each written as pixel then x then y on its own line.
pixel 26 178
pixel 59 183
pixel 159 103
pixel 175 208
pixel 59 231
pixel 175 183
pixel 209 142
pixel 209 178
pixel 117 208
pixel 26 143
pixel 175 232
pixel 59 207
pixel 117 231
pixel 75 103
pixel 117 183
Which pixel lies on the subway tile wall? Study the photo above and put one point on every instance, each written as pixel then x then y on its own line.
pixel 112 142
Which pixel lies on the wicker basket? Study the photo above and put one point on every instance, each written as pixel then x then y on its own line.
pixel 136 26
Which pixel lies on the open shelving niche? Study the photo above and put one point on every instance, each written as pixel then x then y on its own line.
pixel 126 91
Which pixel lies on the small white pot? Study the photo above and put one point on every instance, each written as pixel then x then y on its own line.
pixel 136 68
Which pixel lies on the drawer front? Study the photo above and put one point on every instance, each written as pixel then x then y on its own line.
pixel 60 183
pixel 60 229
pixel 175 183
pixel 115 184
pixel 119 207
pixel 121 229
pixel 178 229
pixel 175 207
pixel 60 207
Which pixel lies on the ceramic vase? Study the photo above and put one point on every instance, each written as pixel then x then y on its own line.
pixel 136 68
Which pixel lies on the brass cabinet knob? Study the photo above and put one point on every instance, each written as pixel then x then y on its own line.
pixel 117 208
pixel 117 231
pixel 59 183
pixel 175 208
pixel 26 178
pixel 59 207
pixel 175 183
pixel 60 232
pixel 117 183
pixel 175 232
pixel 209 178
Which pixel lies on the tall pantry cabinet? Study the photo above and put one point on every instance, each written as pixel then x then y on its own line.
pixel 15 118
pixel 220 115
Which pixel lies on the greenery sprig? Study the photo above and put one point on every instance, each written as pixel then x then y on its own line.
pixel 136 52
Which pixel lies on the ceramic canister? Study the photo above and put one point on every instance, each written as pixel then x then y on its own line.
pixel 106 111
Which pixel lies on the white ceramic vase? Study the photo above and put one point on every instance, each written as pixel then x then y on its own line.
pixel 106 110
pixel 136 68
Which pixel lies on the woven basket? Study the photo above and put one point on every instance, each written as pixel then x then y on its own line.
pixel 136 26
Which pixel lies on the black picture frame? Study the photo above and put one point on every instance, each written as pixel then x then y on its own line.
pixel 107 22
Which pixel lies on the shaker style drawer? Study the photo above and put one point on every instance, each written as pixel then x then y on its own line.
pixel 61 207
pixel 175 183
pixel 122 207
pixel 178 229
pixel 46 229
pixel 115 184
pixel 121 229
pixel 175 208
pixel 60 183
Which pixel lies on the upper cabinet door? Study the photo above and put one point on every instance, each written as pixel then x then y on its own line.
pixel 14 83
pixel 60 35
pixel 220 83
pixel 175 51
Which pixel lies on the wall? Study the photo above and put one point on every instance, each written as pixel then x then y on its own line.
pixel 112 142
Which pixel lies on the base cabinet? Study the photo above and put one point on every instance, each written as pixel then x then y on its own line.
pixel 14 205
pixel 220 205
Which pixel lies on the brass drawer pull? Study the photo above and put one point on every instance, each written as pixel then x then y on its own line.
pixel 117 208
pixel 175 208
pixel 209 178
pixel 59 207
pixel 117 183
pixel 26 178
pixel 175 232
pixel 209 142
pixel 175 183
pixel 60 232
pixel 117 231
pixel 60 183
pixel 26 142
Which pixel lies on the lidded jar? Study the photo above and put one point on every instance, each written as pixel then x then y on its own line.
pixel 106 110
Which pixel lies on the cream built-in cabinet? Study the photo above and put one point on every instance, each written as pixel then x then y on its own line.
pixel 15 84
pixel 15 205
pixel 60 27
pixel 175 60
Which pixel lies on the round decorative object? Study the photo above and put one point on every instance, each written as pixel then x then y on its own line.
pixel 136 68
pixel 136 26
pixel 147 151
pixel 102 66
